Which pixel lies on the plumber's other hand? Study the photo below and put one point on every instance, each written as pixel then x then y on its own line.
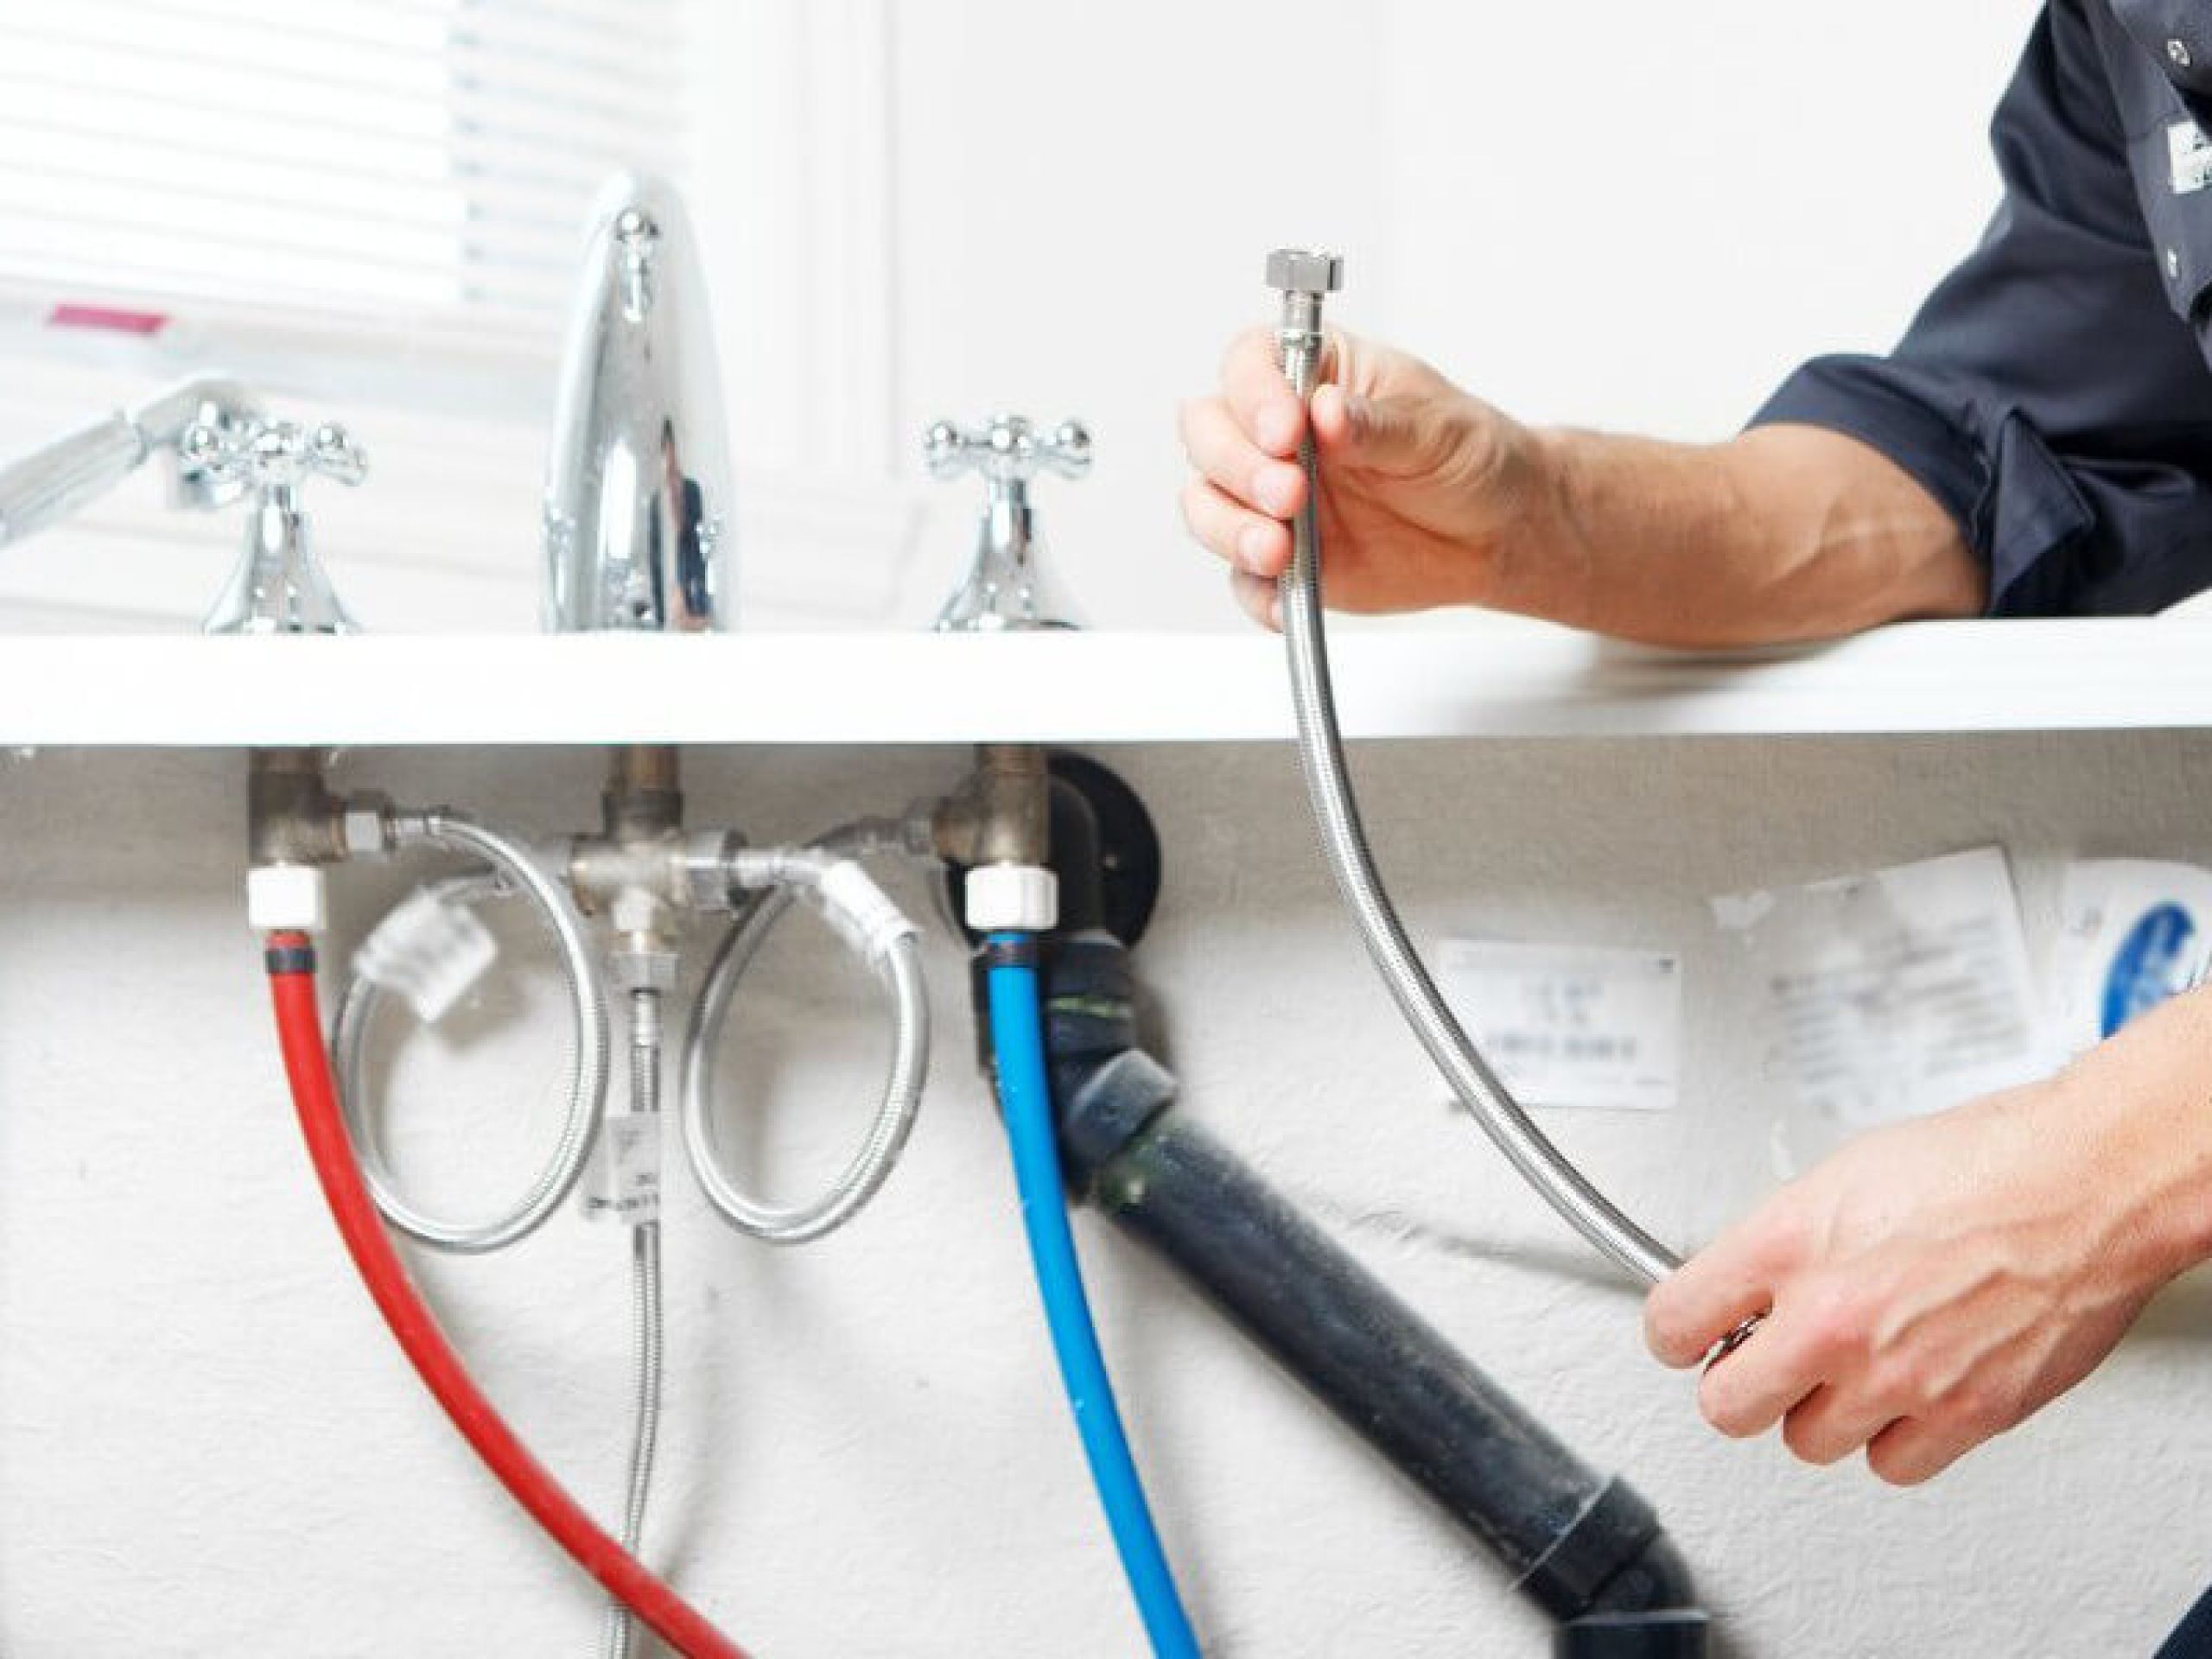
pixel 1422 486
pixel 1936 1282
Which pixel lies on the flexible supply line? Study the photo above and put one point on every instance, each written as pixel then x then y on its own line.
pixel 513 870
pixel 1018 1044
pixel 618 1640
pixel 307 1064
pixel 866 919
pixel 1304 278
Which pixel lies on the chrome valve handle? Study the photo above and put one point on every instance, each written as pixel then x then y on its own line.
pixel 272 454
pixel 1006 587
pixel 1007 451
pixel 279 586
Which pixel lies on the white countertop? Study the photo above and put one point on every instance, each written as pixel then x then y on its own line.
pixel 1495 678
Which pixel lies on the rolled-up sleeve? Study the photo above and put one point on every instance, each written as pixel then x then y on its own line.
pixel 2050 395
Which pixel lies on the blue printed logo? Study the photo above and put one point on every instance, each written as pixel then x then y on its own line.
pixel 2152 964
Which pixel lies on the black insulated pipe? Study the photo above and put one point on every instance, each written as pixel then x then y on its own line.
pixel 1585 1548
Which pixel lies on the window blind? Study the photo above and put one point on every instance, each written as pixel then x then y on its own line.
pixel 399 163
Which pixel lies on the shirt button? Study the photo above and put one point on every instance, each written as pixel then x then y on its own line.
pixel 2173 265
pixel 2178 51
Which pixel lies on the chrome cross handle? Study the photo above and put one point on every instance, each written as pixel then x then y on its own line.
pixel 1006 586
pixel 1008 449
pixel 279 586
pixel 272 454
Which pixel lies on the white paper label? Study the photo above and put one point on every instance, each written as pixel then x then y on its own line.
pixel 2132 933
pixel 428 950
pixel 626 1171
pixel 1569 1025
pixel 1893 994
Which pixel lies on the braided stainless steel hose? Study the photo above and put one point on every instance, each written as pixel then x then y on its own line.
pixel 1304 279
pixel 620 1637
pixel 889 942
pixel 587 1094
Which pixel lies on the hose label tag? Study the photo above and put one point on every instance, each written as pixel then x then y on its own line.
pixel 428 951
pixel 625 1184
pixel 1885 994
pixel 1572 1024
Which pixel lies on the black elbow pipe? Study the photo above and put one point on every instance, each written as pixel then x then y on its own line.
pixel 1077 859
pixel 1584 1547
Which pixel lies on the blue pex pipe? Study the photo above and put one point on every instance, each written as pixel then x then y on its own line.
pixel 1025 1097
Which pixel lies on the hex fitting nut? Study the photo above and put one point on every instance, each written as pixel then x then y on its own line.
pixel 1298 271
pixel 364 828
pixel 706 870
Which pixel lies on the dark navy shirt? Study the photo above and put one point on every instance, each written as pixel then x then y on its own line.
pixel 2055 393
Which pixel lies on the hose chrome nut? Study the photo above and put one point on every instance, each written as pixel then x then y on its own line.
pixel 1306 280
pixel 1298 270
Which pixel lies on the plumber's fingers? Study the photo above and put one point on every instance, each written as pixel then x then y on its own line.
pixel 1732 1280
pixel 1831 1423
pixel 1248 540
pixel 1688 1313
pixel 1257 598
pixel 1913 1449
pixel 1219 448
pixel 1339 422
pixel 1751 1390
pixel 1258 396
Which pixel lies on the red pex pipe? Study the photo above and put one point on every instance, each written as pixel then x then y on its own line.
pixel 307 1063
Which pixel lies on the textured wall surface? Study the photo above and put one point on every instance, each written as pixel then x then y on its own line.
pixel 208 1446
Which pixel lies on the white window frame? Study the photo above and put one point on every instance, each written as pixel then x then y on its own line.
pixel 791 178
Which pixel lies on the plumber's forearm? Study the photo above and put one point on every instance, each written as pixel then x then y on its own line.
pixel 1786 533
pixel 2146 1138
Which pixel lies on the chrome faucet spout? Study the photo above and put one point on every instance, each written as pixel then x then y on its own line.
pixel 638 491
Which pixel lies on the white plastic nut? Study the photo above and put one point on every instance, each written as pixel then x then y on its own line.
pixel 1021 898
pixel 285 899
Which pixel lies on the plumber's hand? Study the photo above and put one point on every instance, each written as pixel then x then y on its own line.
pixel 1422 486
pixel 1936 1282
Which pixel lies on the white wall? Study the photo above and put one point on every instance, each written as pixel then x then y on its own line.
pixel 1596 214
pixel 208 1444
